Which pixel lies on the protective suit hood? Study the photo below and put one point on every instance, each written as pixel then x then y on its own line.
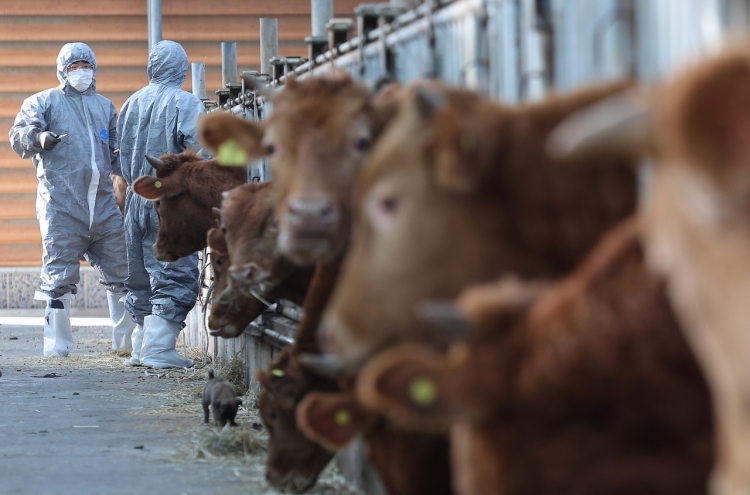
pixel 167 63
pixel 73 52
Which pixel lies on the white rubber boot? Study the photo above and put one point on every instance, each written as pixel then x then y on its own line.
pixel 122 324
pixel 136 340
pixel 159 342
pixel 58 335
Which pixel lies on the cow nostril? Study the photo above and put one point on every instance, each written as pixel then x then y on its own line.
pixel 321 210
pixel 242 276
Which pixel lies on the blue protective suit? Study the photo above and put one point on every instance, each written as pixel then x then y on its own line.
pixel 75 203
pixel 160 118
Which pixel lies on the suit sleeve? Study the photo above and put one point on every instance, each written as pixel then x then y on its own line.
pixel 188 112
pixel 114 143
pixel 29 122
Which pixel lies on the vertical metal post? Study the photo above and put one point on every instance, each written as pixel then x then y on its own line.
pixel 154 23
pixel 321 13
pixel 269 42
pixel 228 63
pixel 198 70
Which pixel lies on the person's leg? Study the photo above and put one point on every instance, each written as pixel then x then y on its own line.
pixel 63 243
pixel 107 253
pixel 175 291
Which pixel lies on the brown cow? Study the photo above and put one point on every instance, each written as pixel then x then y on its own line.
pixel 251 230
pixel 231 311
pixel 248 233
pixel 184 191
pixel 317 137
pixel 697 227
pixel 592 390
pixel 460 190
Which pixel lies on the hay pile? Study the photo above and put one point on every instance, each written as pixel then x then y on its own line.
pixel 213 443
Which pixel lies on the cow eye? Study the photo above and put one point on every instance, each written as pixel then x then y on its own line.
pixel 224 230
pixel 272 416
pixel 219 261
pixel 389 205
pixel 157 203
pixel 270 149
pixel 362 144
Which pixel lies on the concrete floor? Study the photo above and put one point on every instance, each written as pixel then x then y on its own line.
pixel 88 426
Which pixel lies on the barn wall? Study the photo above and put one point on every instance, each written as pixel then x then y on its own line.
pixel 31 34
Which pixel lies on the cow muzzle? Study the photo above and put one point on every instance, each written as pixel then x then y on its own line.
pixel 165 256
pixel 311 219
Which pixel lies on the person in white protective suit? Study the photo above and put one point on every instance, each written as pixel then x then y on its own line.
pixel 70 134
pixel 160 118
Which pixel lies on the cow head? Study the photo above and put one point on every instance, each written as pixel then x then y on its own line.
pixel 459 190
pixel 231 310
pixel 293 461
pixel 316 139
pixel 251 233
pixel 183 192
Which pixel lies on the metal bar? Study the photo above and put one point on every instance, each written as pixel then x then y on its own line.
pixel 154 23
pixel 228 63
pixel 321 13
pixel 269 42
pixel 198 70
pixel 276 339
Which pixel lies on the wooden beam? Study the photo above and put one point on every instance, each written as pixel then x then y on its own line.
pixel 178 28
pixel 19 232
pixel 263 8
pixel 134 53
pixel 17 206
pixel 21 255
pixel 18 181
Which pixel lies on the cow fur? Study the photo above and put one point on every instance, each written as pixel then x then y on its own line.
pixel 697 230
pixel 460 190
pixel 589 389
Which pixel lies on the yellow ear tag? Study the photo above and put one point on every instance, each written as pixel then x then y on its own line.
pixel 231 154
pixel 342 417
pixel 423 392
pixel 468 143
pixel 157 184
pixel 277 372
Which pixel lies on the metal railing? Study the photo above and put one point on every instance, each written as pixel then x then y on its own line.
pixel 512 50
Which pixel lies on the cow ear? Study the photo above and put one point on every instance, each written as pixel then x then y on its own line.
pixel 454 157
pixel 385 102
pixel 152 187
pixel 283 379
pixel 216 241
pixel 500 305
pixel 331 420
pixel 411 385
pixel 234 141
pixel 712 113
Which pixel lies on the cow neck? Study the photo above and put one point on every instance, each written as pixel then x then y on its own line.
pixel 321 288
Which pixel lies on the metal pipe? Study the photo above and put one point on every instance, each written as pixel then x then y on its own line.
pixel 198 71
pixel 154 23
pixel 269 42
pixel 321 12
pixel 228 63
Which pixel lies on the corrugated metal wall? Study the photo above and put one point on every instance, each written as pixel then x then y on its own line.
pixel 31 34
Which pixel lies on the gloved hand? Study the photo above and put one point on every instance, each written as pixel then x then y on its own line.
pixel 48 140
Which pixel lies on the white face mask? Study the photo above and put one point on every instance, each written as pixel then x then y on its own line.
pixel 81 79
